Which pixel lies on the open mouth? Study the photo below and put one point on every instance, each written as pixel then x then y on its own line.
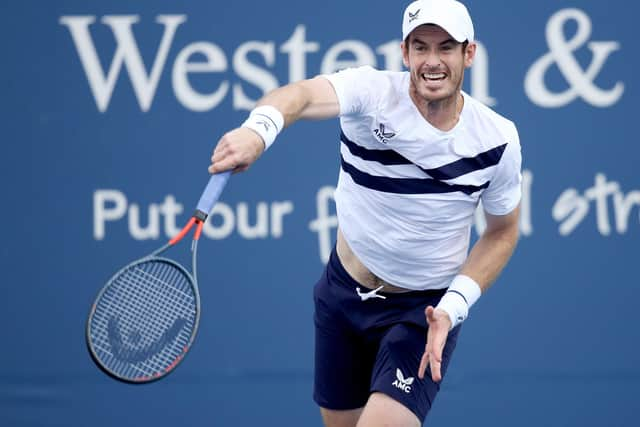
pixel 433 77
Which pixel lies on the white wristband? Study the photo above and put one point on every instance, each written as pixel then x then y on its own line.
pixel 461 295
pixel 267 122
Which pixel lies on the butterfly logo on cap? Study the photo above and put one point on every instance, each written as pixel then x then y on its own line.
pixel 414 16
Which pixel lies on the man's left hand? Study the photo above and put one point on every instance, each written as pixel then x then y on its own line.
pixel 439 325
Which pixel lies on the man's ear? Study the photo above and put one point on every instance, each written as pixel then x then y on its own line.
pixel 405 54
pixel 469 54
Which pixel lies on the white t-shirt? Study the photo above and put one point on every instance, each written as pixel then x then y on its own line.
pixel 407 191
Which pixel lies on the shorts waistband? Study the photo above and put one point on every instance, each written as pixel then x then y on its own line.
pixel 336 266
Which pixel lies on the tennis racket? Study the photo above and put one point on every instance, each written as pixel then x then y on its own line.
pixel 145 318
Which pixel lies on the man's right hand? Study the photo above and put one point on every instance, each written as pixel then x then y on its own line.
pixel 236 151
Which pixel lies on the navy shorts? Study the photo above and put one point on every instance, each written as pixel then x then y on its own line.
pixel 370 346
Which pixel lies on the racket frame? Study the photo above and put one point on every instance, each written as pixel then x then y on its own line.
pixel 207 200
pixel 193 281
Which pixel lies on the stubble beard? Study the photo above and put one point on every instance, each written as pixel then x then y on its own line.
pixel 424 98
pixel 427 101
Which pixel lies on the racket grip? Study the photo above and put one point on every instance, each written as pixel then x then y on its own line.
pixel 212 192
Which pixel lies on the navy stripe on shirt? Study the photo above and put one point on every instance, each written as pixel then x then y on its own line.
pixel 406 185
pixel 385 157
pixel 449 171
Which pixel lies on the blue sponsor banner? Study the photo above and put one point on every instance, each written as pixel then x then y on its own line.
pixel 111 111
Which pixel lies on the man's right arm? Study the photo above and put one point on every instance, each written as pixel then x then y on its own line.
pixel 313 99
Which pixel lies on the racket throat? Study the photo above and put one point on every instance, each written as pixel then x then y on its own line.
pixel 200 216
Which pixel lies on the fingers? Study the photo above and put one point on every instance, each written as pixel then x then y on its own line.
pixel 429 358
pixel 436 338
pixel 224 157
pixel 429 312
pixel 436 364
pixel 424 362
pixel 225 164
pixel 236 151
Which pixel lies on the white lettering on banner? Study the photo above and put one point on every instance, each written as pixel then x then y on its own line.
pixel 151 230
pixel 571 207
pixel 297 47
pixel 269 220
pixel 362 55
pixel 126 53
pixel 252 73
pixel 108 205
pixel 392 55
pixel 480 76
pixel 324 222
pixel 216 62
pixel 264 221
pixel 561 50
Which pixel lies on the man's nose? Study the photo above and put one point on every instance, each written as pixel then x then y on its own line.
pixel 432 59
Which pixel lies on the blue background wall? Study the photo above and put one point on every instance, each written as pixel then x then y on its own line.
pixel 553 343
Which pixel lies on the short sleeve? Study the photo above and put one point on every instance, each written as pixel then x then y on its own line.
pixel 505 190
pixel 353 87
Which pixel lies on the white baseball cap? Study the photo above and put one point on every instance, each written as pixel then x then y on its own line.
pixel 451 15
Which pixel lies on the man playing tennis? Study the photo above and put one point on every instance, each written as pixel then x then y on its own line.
pixel 417 156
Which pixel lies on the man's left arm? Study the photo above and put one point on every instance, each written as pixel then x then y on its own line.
pixel 483 265
pixel 493 249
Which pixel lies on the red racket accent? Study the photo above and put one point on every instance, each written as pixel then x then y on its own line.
pixel 198 230
pixel 183 232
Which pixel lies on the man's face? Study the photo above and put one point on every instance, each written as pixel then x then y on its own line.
pixel 436 62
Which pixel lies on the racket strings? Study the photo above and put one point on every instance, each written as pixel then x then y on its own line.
pixel 145 319
pixel 138 331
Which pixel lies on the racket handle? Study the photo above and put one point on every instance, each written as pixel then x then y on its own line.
pixel 212 192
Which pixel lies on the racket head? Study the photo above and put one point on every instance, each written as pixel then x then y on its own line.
pixel 144 320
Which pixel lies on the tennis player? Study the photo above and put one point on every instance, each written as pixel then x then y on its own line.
pixel 417 156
